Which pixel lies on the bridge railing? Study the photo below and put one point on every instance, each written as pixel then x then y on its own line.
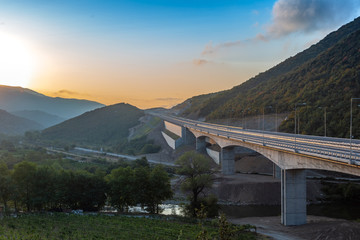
pixel 337 149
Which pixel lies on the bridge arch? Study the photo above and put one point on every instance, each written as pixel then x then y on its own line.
pixel 285 159
pixel 291 162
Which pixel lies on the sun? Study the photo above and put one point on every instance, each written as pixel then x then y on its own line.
pixel 17 63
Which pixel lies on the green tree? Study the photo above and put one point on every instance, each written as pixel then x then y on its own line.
pixel 121 188
pixel 160 189
pixel 44 188
pixel 24 179
pixel 141 185
pixel 83 190
pixel 198 177
pixel 6 184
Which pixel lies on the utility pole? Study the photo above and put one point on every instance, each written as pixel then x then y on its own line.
pixel 297 104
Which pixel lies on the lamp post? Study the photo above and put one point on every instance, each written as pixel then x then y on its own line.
pixel 351 101
pixel 264 122
pixel 276 124
pixel 243 126
pixel 324 119
pixel 247 110
pixel 297 104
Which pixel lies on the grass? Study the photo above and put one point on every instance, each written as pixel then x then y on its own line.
pixel 171 134
pixel 62 226
pixel 146 128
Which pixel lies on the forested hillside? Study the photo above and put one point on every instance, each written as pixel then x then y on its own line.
pixel 14 125
pixel 325 75
pixel 106 127
pixel 100 126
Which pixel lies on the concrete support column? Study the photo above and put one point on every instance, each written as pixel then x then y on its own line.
pixel 201 145
pixel 187 136
pixel 276 171
pixel 227 160
pixel 293 197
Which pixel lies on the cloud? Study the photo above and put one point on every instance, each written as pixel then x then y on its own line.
pixel 289 16
pixel 68 93
pixel 200 62
pixel 210 49
pixel 168 99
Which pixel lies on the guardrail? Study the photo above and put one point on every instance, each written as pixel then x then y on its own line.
pixel 337 149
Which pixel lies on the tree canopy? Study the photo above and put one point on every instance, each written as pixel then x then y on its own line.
pixel 198 177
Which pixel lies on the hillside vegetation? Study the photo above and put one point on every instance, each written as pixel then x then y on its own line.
pixel 104 127
pixel 100 126
pixel 14 125
pixel 325 75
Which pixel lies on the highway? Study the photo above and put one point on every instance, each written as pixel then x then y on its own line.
pixel 128 157
pixel 338 149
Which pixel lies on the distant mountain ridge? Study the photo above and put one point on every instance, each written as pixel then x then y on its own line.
pixel 14 99
pixel 14 125
pixel 45 119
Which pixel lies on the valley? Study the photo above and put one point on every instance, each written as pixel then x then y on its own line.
pixel 278 154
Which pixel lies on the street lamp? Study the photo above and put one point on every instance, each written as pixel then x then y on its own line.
pixel 264 121
pixel 243 126
pixel 324 120
pixel 351 162
pixel 244 119
pixel 297 104
pixel 276 124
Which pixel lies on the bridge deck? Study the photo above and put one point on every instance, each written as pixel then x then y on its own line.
pixel 337 149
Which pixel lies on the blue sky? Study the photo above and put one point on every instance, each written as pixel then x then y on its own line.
pixel 158 53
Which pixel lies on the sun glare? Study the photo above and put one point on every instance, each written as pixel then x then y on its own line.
pixel 17 63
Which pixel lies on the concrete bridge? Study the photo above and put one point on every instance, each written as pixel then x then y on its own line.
pixel 292 154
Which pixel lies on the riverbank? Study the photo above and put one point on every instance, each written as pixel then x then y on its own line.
pixel 317 228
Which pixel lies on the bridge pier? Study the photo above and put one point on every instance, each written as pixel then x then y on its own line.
pixel 200 145
pixel 276 171
pixel 188 137
pixel 293 197
pixel 227 160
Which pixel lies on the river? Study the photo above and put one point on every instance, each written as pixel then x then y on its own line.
pixel 339 210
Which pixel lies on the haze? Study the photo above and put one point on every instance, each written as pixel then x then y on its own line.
pixel 154 53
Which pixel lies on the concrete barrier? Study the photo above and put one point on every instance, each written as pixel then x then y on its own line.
pixel 215 155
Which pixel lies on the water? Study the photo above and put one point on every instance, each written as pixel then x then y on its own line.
pixel 168 209
pixel 339 210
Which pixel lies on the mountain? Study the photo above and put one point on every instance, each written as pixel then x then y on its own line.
pixel 14 99
pixel 13 125
pixel 43 118
pixel 106 125
pixel 325 75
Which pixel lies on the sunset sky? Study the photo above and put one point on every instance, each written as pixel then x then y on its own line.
pixel 154 53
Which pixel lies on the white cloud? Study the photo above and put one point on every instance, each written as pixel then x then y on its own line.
pixel 291 16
